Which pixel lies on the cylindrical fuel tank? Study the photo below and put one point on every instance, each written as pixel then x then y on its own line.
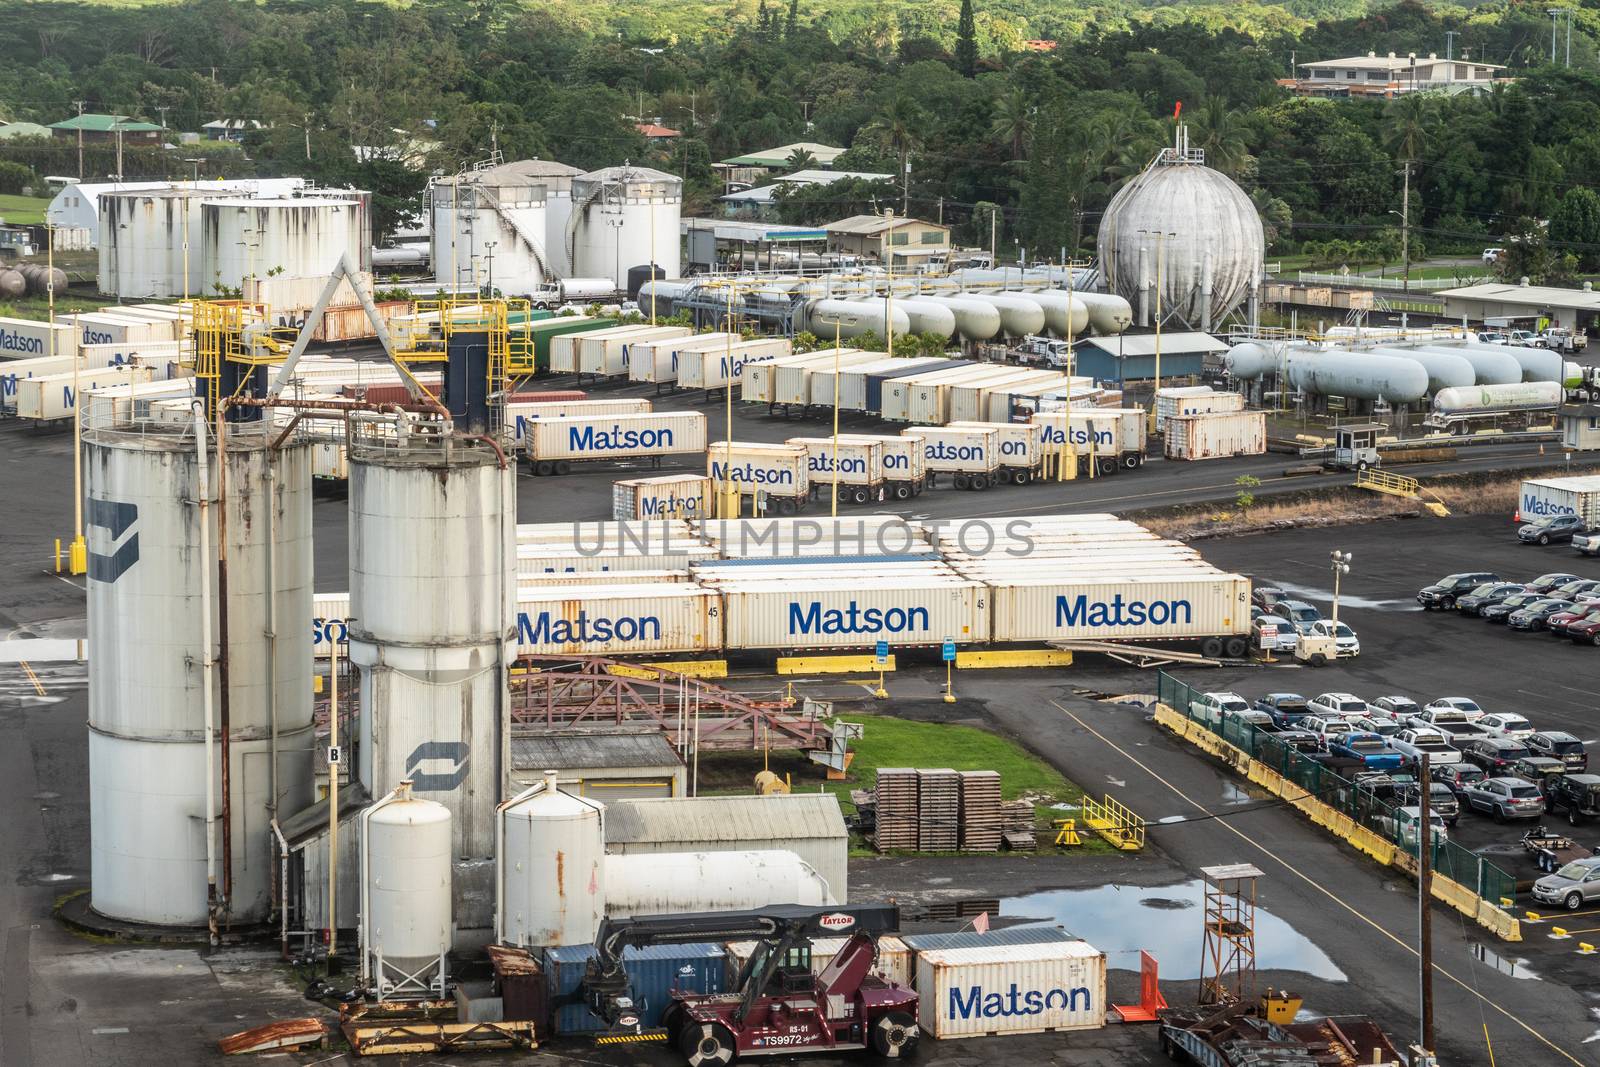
pixel 1361 375
pixel 1490 363
pixel 1445 371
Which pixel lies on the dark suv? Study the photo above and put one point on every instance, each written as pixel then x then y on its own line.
pixel 1551 528
pixel 1442 594
pixel 1286 709
pixel 1494 754
pixel 1474 602
pixel 1559 745
pixel 1576 794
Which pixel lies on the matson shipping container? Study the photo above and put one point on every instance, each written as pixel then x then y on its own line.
pixel 970 402
pixel 604 533
pixel 856 382
pixel 970 456
pixel 1193 400
pixel 1030 607
pixel 856 463
pixel 103 328
pixel 924 399
pixel 29 338
pixel 530 581
pixel 849 536
pixel 1114 436
pixel 759 382
pixel 617 620
pixel 715 365
pixel 564 348
pixel 1539 498
pixel 892 963
pixel 655 361
pixel 1017 403
pixel 52 396
pixel 606 356
pixel 792 385
pixel 519 413
pixel 1018 442
pixel 551 559
pixel 94 357
pixel 1011 989
pixel 781 472
pixel 1216 435
pixel 923 609
pixel 106 405
pixel 553 445
pixel 671 496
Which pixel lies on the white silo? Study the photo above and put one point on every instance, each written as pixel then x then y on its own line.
pixel 624 217
pixel 550 868
pixel 406 854
pixel 494 221
pixel 1189 229
pixel 161 681
pixel 142 235
pixel 297 237
pixel 431 551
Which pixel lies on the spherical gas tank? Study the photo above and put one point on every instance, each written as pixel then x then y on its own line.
pixel 406 864
pixel 551 879
pixel 12 284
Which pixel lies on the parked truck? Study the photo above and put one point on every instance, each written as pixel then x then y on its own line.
pixel 1111 438
pixel 854 464
pixel 1462 409
pixel 1020 454
pixel 554 445
pixel 776 477
pixel 576 291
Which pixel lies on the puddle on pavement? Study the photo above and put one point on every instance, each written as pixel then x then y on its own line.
pixel 1166 920
pixel 1232 794
pixel 1173 819
pixel 1516 968
pixel 1306 592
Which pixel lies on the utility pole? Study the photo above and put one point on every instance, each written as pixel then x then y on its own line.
pixel 1450 43
pixel 994 212
pixel 1424 911
pixel 80 104
pixel 1405 229
pixel 941 211
pixel 905 192
pixel 119 149
pixel 306 129
pixel 1555 15
pixel 162 111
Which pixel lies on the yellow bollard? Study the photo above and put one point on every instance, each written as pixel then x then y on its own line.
pixel 1585 949
pixel 78 556
pixel 58 555
pixel 1506 902
pixel 1558 934
pixel 1532 917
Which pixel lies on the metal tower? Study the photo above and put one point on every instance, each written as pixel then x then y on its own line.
pixel 1228 958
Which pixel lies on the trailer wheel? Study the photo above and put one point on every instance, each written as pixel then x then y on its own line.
pixel 708 1043
pixel 1022 477
pixel 901 491
pixel 672 1022
pixel 1458 429
pixel 961 481
pixel 894 1036
pixel 1131 461
pixel 563 466
pixel 1211 648
pixel 844 494
pixel 786 506
pixel 861 495
pixel 1319 660
pixel 1106 465
pixel 1005 474
pixel 980 482
pixel 1237 648
pixel 543 468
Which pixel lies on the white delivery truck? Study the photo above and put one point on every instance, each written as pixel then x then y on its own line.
pixel 554 445
pixel 1114 438
pixel 671 496
pixel 970 456
pixel 854 463
pixel 776 477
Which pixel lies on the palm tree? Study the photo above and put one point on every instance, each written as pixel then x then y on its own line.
pixel 1013 122
pixel 898 128
pixel 1221 133
pixel 800 159
pixel 1410 126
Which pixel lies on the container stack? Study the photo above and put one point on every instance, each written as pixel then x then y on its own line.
pixel 897 808
pixel 938 810
pixel 982 818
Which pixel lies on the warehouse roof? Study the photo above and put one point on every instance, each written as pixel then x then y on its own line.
pixel 1173 343
pixel 1527 295
pixel 580 749
pixel 734 230
pixel 779 157
pixel 738 818
pixel 106 124
pixel 23 129
pixel 871 224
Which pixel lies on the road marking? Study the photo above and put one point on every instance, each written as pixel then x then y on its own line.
pixel 107 1030
pixel 38 686
pixel 1296 872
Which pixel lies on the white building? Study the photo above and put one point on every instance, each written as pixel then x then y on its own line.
pixel 77 205
pixel 1393 75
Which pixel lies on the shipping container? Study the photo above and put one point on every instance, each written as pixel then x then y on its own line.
pixel 853 381
pixel 548 559
pixel 855 464
pixel 518 413
pixel 1018 443
pixel 1193 400
pixel 781 472
pixel 545 396
pixel 792 385
pixel 1217 435
pixel 604 353
pixel 53 396
pixel 112 405
pixel 758 385
pixel 924 399
pixel 93 357
pixel 971 457
pixel 808 537
pixel 564 346
pixel 876 382
pixel 654 362
pixel 616 620
pixel 654 971
pixel 170 325
pixel 343 323
pixel 1005 935
pixel 969 401
pixel 328 614
pixel 1011 989
pixel 526 581
pixel 103 328
pixel 554 444
pixel 824 613
pixel 606 533
pixel 541 336
pixel 1538 498
pixel 1030 607
pixel 673 496
pixel 892 963
pixel 713 366
pixel 29 338
pixel 1111 437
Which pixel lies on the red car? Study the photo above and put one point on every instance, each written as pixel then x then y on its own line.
pixel 1585 629
pixel 1557 624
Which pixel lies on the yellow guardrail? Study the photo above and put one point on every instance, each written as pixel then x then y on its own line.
pixel 1115 822
pixel 1380 481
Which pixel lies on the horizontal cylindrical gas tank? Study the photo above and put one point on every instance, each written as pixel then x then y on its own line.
pixel 1490 363
pixel 1063 314
pixel 1445 371
pixel 1020 316
pixel 1361 375
pixel 976 320
pixel 12 284
pixel 399 257
pixel 1522 396
pixel 854 318
pixel 1108 313
pixel 1538 364
pixel 665 292
pixel 927 316
pixel 670 883
pixel 406 859
pixel 1250 360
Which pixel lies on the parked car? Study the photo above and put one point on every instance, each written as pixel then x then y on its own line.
pixel 1441 798
pixel 1494 754
pixel 1254 716
pixel 1492 256
pixel 1579 591
pixel 1457 776
pixel 1267 596
pixel 1533 616
pixel 1345 639
pixel 1540 770
pixel 1329 730
pixel 1504 798
pixel 1371 749
pixel 1418 740
pixel 1576 794
pixel 1287 636
pixel 1551 528
pixel 1437 718
pixel 1560 745
pixel 1573 886
pixel 1507 724
pixel 1559 624
pixel 1286 709
pixel 1298 612
pixel 1337 705
pixel 1467 707
pixel 1523 339
pixel 1299 740
pixel 1488 593
pixel 1500 610
pixel 1443 593
pixel 1381 725
pixel 1210 707
pixel 1585 629
pixel 1546 582
pixel 1397 707
pixel 1401 825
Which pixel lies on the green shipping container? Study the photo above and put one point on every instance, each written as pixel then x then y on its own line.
pixel 542 330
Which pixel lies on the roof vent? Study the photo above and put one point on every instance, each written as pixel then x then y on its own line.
pixel 1433 55
pixel 1523 281
pixel 1391 55
pixel 1588 287
pixel 1374 55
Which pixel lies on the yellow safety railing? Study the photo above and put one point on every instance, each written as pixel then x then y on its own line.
pixel 1380 481
pixel 1115 822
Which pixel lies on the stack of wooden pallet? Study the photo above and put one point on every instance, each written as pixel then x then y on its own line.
pixel 939 810
pixel 1018 822
pixel 982 817
pixel 896 808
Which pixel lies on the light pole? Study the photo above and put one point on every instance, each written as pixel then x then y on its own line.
pixel 615 222
pixel 1341 567
pixel 489 247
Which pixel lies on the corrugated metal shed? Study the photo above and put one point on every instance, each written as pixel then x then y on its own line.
pixel 564 751
pixel 1131 357
pixel 808 824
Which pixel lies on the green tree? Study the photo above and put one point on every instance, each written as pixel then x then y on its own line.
pixel 1013 122
pixel 899 128
pixel 792 23
pixel 1221 132
pixel 967 41
pixel 1575 224
pixel 799 159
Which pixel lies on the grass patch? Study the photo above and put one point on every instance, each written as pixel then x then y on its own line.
pixel 23 210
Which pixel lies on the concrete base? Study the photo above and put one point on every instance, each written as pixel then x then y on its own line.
pixel 74 912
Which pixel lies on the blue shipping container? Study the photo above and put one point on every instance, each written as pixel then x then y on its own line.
pixel 653 972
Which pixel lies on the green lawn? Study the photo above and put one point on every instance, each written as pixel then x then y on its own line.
pixel 23 210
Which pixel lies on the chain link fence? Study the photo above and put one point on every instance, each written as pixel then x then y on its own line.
pixel 1362 800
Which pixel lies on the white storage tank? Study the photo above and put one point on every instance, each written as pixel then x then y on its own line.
pixel 670 883
pixel 148 558
pixel 406 853
pixel 853 318
pixel 1020 314
pixel 142 237
pixel 295 237
pixel 550 868
pixel 497 211
pixel 976 320
pixel 624 217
